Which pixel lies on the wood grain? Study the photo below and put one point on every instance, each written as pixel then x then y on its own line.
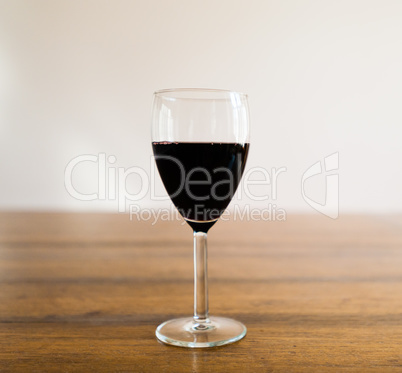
pixel 85 292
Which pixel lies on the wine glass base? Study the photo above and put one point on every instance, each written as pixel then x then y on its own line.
pixel 214 331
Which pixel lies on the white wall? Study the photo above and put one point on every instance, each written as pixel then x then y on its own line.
pixel 76 77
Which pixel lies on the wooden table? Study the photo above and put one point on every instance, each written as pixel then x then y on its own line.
pixel 85 292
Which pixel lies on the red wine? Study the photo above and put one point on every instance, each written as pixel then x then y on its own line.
pixel 200 178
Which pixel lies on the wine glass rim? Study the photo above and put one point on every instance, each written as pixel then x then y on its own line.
pixel 162 92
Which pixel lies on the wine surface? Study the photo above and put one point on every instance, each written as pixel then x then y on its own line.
pixel 200 178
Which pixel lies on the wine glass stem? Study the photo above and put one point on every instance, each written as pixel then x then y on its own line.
pixel 200 278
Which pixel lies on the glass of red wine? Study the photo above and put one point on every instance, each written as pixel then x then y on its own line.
pixel 200 140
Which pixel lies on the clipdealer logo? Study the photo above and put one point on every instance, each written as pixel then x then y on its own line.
pixel 330 207
pixel 112 186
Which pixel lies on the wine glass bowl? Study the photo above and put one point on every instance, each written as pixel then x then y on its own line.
pixel 200 140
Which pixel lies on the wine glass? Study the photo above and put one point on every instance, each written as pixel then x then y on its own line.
pixel 200 140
